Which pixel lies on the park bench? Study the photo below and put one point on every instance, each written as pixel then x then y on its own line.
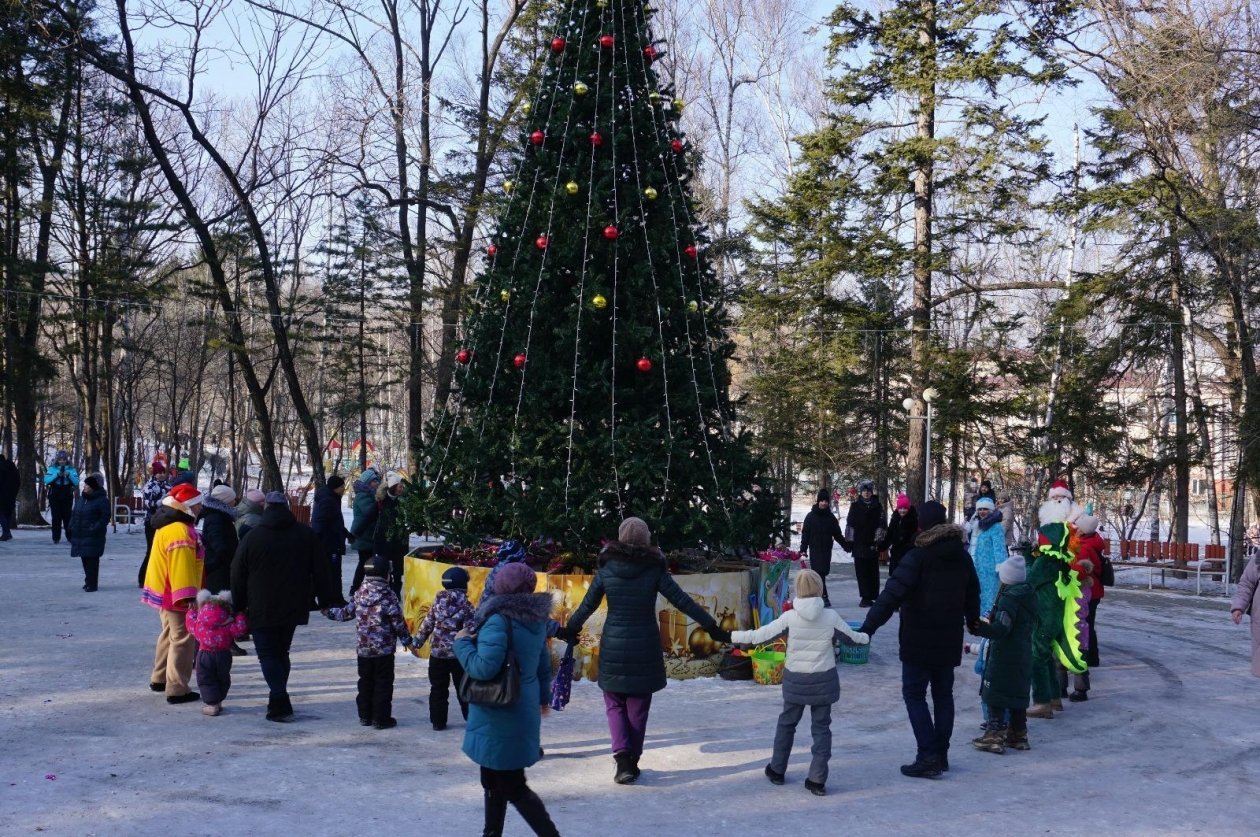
pixel 1178 557
pixel 128 510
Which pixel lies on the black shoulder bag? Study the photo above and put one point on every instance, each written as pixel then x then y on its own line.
pixel 1108 575
pixel 501 690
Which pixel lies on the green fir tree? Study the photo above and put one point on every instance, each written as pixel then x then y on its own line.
pixel 593 381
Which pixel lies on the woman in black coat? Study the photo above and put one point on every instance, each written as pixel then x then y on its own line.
pixel 88 523
pixel 10 483
pixel 218 536
pixel 327 522
pixel 902 528
pixel 631 666
pixel 865 528
pixel 820 530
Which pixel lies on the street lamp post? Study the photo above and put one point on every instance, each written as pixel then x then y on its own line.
pixel 929 395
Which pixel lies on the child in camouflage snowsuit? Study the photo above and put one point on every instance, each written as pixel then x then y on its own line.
pixel 451 611
pixel 381 628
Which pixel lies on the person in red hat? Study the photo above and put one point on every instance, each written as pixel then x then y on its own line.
pixel 176 571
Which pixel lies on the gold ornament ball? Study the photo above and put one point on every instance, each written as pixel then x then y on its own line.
pixel 654 96
pixel 599 301
pixel 693 306
pixel 505 295
pixel 580 88
pixel 678 104
pixel 601 4
pixel 507 186
pixel 649 193
pixel 526 108
pixel 571 187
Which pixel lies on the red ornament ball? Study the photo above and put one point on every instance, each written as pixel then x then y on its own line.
pixel 692 251
pixel 492 250
pixel 649 52
pixel 519 361
pixel 542 241
pixel 597 139
pixel 463 356
pixel 607 41
pixel 537 137
pixel 677 145
pixel 644 365
pixel 558 44
pixel 610 232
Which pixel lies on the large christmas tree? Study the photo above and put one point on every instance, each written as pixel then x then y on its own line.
pixel 593 381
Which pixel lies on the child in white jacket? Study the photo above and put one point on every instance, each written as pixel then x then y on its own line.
pixel 809 678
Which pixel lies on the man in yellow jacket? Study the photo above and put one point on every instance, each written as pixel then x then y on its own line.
pixel 176 571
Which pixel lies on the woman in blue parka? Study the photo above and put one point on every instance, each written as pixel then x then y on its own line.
pixel 505 740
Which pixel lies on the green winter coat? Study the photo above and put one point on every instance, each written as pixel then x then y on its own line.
pixel 363 524
pixel 1008 663
pixel 630 657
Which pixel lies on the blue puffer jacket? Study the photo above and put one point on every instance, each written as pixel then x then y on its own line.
pixel 88 523
pixel 508 737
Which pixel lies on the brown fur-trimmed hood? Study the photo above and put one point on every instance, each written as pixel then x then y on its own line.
pixel 936 534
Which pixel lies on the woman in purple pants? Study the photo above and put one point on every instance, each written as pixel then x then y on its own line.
pixel 631 668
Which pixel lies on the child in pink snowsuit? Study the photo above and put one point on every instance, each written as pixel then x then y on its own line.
pixel 214 627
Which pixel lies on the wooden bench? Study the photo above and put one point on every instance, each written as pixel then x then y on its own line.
pixel 1165 556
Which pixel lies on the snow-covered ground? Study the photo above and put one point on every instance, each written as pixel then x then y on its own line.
pixel 1168 744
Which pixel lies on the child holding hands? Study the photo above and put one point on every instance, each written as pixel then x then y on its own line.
pixel 380 629
pixel 214 627
pixel 810 677
pixel 451 613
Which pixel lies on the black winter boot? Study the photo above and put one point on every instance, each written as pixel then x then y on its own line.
pixel 531 808
pixel 924 767
pixel 496 813
pixel 626 771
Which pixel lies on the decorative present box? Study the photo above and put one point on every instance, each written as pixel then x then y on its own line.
pixel 677 628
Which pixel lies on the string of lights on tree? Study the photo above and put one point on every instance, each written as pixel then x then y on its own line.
pixel 593 379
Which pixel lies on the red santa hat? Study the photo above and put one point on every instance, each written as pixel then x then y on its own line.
pixel 1059 489
pixel 185 496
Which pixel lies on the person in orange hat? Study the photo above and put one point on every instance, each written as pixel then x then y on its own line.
pixel 175 573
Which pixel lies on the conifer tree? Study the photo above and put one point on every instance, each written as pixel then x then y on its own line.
pixel 593 380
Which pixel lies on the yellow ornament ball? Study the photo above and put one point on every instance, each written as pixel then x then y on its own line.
pixel 678 104
pixel 580 88
pixel 526 108
pixel 649 193
pixel 599 301
pixel 693 306
pixel 601 4
pixel 654 96
pixel 505 295
pixel 571 187
pixel 507 186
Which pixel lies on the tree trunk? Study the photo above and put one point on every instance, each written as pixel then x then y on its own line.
pixel 921 306
pixel 1181 423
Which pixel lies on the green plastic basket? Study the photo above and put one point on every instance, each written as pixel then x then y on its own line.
pixel 768 667
pixel 854 655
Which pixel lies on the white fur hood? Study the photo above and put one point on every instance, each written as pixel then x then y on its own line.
pixel 810 627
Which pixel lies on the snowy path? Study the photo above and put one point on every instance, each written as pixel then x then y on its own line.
pixel 1169 744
